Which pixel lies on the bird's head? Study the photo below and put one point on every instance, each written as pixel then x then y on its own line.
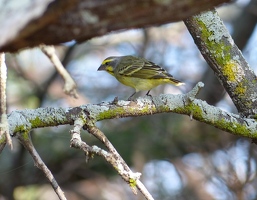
pixel 109 64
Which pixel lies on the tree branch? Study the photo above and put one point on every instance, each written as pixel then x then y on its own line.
pixel 81 20
pixel 185 104
pixel 4 127
pixel 111 156
pixel 24 138
pixel 70 87
pixel 226 60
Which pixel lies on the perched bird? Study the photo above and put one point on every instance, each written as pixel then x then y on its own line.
pixel 138 73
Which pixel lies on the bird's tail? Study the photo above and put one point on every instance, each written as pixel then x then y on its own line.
pixel 176 82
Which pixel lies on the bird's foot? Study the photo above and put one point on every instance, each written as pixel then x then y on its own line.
pixel 149 95
pixel 130 98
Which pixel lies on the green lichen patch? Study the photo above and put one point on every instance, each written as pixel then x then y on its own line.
pixel 219 43
pixel 21 128
pixel 218 48
pixel 240 89
pixel 132 183
pixel 25 135
pixel 235 128
pixel 36 122
pixel 109 114
pixel 2 139
pixel 229 72
pixel 195 111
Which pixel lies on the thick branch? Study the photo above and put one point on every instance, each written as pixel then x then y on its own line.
pixel 81 20
pixel 183 104
pixel 226 60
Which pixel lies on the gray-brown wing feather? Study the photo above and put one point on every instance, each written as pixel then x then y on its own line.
pixel 143 69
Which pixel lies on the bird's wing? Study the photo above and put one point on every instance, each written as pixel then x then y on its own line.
pixel 144 69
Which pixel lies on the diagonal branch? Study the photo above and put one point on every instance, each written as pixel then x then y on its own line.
pixel 69 84
pixel 111 155
pixel 24 138
pixel 226 60
pixel 120 165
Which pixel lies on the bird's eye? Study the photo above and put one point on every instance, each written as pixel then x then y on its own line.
pixel 105 63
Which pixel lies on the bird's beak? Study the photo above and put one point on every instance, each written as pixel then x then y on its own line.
pixel 102 68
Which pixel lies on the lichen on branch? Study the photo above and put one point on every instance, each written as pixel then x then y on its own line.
pixel 226 60
pixel 185 104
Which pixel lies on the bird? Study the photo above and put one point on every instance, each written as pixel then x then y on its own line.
pixel 138 73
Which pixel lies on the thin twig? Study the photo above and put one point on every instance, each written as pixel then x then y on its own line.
pixel 69 85
pixel 26 142
pixel 4 127
pixel 120 165
pixel 111 156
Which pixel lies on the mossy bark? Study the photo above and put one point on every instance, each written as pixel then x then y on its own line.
pixel 226 60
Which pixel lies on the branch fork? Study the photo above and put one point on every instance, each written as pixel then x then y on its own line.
pixel 111 155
